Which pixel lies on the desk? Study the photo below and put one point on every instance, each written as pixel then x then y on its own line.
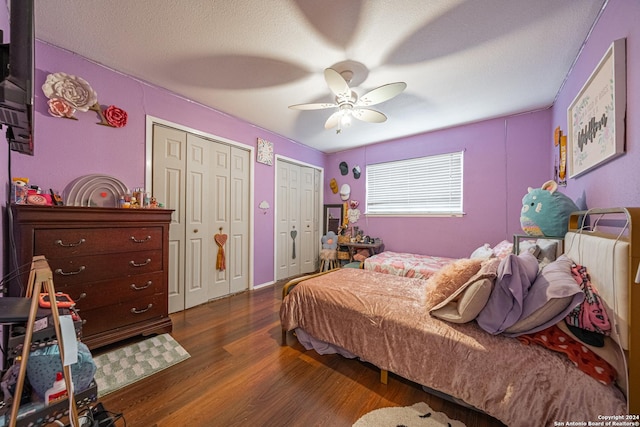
pixel 374 248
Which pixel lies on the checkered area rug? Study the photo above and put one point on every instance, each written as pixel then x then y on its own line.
pixel 126 365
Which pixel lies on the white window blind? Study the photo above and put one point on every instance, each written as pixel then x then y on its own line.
pixel 425 185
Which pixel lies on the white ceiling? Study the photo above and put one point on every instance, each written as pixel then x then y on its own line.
pixel 463 60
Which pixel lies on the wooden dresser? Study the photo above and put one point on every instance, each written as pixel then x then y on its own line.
pixel 113 262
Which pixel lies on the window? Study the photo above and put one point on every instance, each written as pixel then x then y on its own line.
pixel 424 186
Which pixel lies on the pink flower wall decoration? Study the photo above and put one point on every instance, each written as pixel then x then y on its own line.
pixel 59 108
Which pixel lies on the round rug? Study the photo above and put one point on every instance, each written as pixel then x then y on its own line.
pixel 417 415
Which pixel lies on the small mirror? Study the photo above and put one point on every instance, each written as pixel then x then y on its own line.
pixel 332 218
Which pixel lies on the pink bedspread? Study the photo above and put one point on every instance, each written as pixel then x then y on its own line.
pixel 382 319
pixel 406 264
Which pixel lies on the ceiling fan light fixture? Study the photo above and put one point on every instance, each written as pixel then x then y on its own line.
pixel 345 120
pixel 347 103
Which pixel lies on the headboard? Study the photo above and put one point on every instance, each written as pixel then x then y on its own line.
pixel 607 242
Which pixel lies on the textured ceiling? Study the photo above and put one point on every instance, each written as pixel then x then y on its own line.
pixel 463 61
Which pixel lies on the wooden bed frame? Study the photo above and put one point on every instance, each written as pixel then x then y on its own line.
pixel 626 223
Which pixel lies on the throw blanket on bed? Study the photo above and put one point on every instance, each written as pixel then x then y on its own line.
pixel 555 339
pixel 406 264
pixel 383 319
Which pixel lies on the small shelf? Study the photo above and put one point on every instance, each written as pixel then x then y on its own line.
pixel 41 338
pixel 34 414
pixel 518 237
pixel 41 330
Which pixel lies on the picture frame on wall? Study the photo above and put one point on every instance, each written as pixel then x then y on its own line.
pixel 596 117
pixel 265 152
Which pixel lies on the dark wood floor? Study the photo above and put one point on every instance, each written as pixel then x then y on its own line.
pixel 240 375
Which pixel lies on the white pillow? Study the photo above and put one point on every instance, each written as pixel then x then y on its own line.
pixel 483 252
pixel 529 246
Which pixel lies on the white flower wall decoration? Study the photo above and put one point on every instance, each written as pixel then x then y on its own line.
pixel 75 91
pixel 68 94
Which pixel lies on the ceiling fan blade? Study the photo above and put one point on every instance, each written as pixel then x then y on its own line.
pixel 337 84
pixel 318 106
pixel 382 93
pixel 333 120
pixel 367 115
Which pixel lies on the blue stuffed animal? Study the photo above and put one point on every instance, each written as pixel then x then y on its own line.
pixel 545 211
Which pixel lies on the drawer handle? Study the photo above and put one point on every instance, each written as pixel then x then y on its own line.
pixel 146 239
pixel 70 273
pixel 82 295
pixel 139 288
pixel 69 245
pixel 142 264
pixel 136 311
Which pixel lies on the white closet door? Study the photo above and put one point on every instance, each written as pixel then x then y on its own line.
pixel 200 245
pixel 207 183
pixel 219 193
pixel 169 159
pixel 288 221
pixel 282 220
pixel 318 212
pixel 307 218
pixel 239 221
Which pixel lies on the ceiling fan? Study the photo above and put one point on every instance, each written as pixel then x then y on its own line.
pixel 347 102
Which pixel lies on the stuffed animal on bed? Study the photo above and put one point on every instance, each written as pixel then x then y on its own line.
pixel 545 211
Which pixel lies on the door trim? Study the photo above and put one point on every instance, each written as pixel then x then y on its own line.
pixel 148 177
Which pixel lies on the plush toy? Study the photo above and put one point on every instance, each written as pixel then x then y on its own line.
pixel 545 211
pixel 330 241
pixel 329 253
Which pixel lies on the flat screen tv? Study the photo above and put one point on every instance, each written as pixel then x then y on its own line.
pixel 16 87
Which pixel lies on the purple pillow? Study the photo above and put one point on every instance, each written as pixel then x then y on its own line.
pixel 505 305
pixel 552 296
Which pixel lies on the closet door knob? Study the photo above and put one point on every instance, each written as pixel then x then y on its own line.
pixel 195 230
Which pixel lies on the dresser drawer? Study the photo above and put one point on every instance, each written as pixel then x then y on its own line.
pixel 99 294
pixel 94 268
pixel 123 314
pixel 99 253
pixel 62 243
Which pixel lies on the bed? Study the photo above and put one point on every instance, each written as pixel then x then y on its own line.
pixel 390 326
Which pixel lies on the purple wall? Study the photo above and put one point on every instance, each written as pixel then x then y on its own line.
pixel 616 183
pixel 66 149
pixel 502 157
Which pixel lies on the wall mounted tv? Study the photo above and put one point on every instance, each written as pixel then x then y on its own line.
pixel 17 74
